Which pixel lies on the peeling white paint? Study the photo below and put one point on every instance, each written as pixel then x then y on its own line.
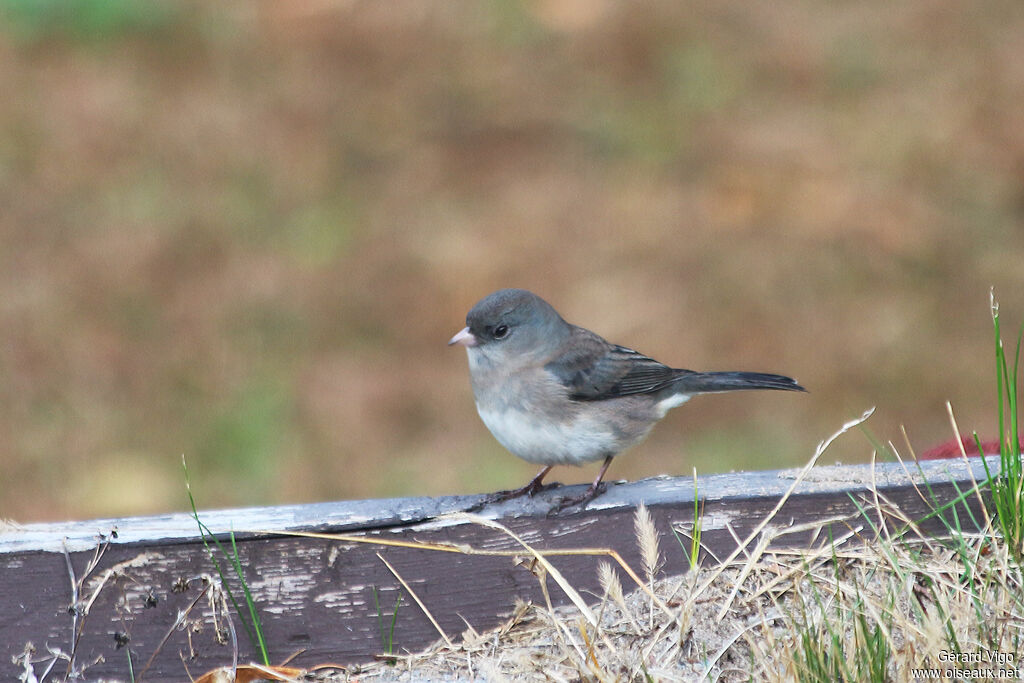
pixel 282 588
pixel 344 600
pixel 574 527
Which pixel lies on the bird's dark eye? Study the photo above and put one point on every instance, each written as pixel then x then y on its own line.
pixel 500 332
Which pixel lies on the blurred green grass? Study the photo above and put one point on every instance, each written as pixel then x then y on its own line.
pixel 85 21
pixel 242 232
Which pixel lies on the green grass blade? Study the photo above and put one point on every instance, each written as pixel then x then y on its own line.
pixel 252 629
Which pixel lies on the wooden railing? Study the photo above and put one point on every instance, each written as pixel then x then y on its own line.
pixel 90 596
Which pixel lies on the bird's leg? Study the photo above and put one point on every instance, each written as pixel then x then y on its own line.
pixel 589 494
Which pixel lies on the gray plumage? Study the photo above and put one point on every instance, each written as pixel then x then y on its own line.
pixel 555 393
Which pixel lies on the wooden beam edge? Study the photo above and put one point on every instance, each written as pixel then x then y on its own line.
pixel 362 515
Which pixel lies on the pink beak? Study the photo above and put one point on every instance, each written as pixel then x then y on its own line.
pixel 463 338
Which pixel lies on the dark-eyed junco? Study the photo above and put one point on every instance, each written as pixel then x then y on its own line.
pixel 553 393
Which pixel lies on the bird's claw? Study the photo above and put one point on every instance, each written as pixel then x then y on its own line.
pixel 581 500
pixel 530 490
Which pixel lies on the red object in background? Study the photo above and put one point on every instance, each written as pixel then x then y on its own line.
pixel 951 449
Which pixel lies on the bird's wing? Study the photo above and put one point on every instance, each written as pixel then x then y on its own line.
pixel 591 369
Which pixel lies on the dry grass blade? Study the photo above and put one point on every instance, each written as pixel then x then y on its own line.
pixel 182 616
pixel 417 599
pixel 552 571
pixel 822 447
pixel 963 454
pixel 712 662
pixel 647 539
pixel 650 554
pixel 612 588
pixel 463 549
pixel 610 582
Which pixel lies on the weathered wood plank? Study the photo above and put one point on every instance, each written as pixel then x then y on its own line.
pixel 317 595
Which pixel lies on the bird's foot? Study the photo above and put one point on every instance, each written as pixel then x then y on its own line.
pixel 582 500
pixel 531 490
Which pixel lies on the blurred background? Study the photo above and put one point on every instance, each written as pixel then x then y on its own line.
pixel 243 231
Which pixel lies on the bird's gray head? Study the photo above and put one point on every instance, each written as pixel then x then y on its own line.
pixel 511 323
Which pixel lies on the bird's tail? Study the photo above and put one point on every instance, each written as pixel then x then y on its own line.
pixel 707 382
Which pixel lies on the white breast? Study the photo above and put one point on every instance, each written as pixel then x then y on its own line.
pixel 534 439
